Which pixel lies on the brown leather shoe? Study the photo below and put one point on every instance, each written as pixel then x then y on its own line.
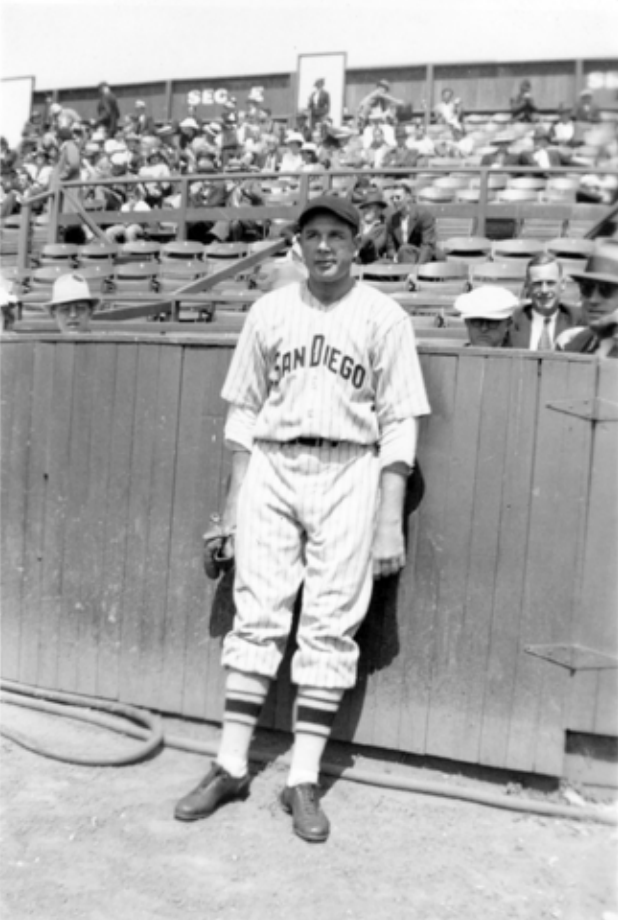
pixel 303 803
pixel 218 786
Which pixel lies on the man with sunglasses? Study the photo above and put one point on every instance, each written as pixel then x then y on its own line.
pixel 543 317
pixel 598 285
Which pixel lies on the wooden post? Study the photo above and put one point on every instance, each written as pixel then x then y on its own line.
pixel 54 210
pixel 23 244
pixel 181 232
pixel 303 195
pixel 428 94
pixel 481 219
pixel 169 99
pixel 580 79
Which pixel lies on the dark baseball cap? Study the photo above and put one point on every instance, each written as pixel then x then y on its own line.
pixel 340 207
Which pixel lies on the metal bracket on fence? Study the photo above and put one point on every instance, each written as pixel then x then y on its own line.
pixel 573 657
pixel 595 409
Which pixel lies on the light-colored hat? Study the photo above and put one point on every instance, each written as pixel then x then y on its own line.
pixel 256 94
pixel 213 128
pixel 120 158
pixel 111 146
pixel 294 137
pixel 602 265
pixel 490 301
pixel 312 148
pixel 69 288
pixel 55 108
pixel 189 123
pixel 140 104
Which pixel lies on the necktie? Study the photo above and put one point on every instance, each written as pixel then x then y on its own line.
pixel 545 342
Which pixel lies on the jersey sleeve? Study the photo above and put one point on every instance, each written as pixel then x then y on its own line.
pixel 246 384
pixel 399 385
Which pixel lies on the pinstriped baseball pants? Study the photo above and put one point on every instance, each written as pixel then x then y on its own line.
pixel 305 515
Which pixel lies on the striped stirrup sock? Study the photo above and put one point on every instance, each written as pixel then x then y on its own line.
pixel 315 713
pixel 244 698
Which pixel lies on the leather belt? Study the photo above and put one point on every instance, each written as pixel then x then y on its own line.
pixel 314 442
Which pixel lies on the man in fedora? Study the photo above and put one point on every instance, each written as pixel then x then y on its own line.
pixel 72 304
pixel 372 230
pixel 598 285
pixel 487 312
pixel 543 317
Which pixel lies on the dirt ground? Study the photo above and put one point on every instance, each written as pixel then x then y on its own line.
pixel 84 843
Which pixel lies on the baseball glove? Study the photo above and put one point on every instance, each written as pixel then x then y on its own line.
pixel 218 550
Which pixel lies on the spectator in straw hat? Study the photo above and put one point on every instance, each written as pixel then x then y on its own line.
pixel 292 161
pixel 487 312
pixel 501 155
pixel 598 285
pixel 72 304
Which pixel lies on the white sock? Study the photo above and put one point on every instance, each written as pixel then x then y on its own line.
pixel 316 709
pixel 244 698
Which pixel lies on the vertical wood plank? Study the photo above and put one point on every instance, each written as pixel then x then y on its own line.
pixel 592 704
pixel 203 678
pixel 446 704
pixel 75 519
pixel 211 618
pixel 89 588
pixel 35 485
pixel 536 739
pixel 17 368
pixel 165 448
pixel 471 658
pixel 116 528
pixel 186 587
pixel 57 477
pixel 511 540
pixel 140 496
pixel 421 579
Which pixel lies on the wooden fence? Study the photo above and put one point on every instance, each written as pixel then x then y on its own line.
pixel 498 639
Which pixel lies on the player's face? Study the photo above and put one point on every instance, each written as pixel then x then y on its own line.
pixel 328 247
pixel 545 286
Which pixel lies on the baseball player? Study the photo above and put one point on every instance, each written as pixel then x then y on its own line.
pixel 325 390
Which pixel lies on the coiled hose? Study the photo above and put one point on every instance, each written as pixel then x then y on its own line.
pixel 149 729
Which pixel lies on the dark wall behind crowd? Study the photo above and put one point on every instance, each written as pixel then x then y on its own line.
pixel 481 87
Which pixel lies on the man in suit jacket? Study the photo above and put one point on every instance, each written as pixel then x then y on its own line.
pixel 538 323
pixel 598 332
pixel 319 103
pixel 410 229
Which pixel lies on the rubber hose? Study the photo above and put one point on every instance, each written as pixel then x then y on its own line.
pixel 153 741
pixel 209 749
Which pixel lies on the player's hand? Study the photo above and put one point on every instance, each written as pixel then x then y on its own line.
pixel 389 555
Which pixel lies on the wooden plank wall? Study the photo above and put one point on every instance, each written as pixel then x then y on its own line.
pixel 482 87
pixel 112 460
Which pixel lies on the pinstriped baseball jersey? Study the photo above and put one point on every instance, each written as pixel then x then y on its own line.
pixel 338 372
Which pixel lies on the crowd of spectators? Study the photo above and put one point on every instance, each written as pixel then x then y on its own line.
pixel 381 134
